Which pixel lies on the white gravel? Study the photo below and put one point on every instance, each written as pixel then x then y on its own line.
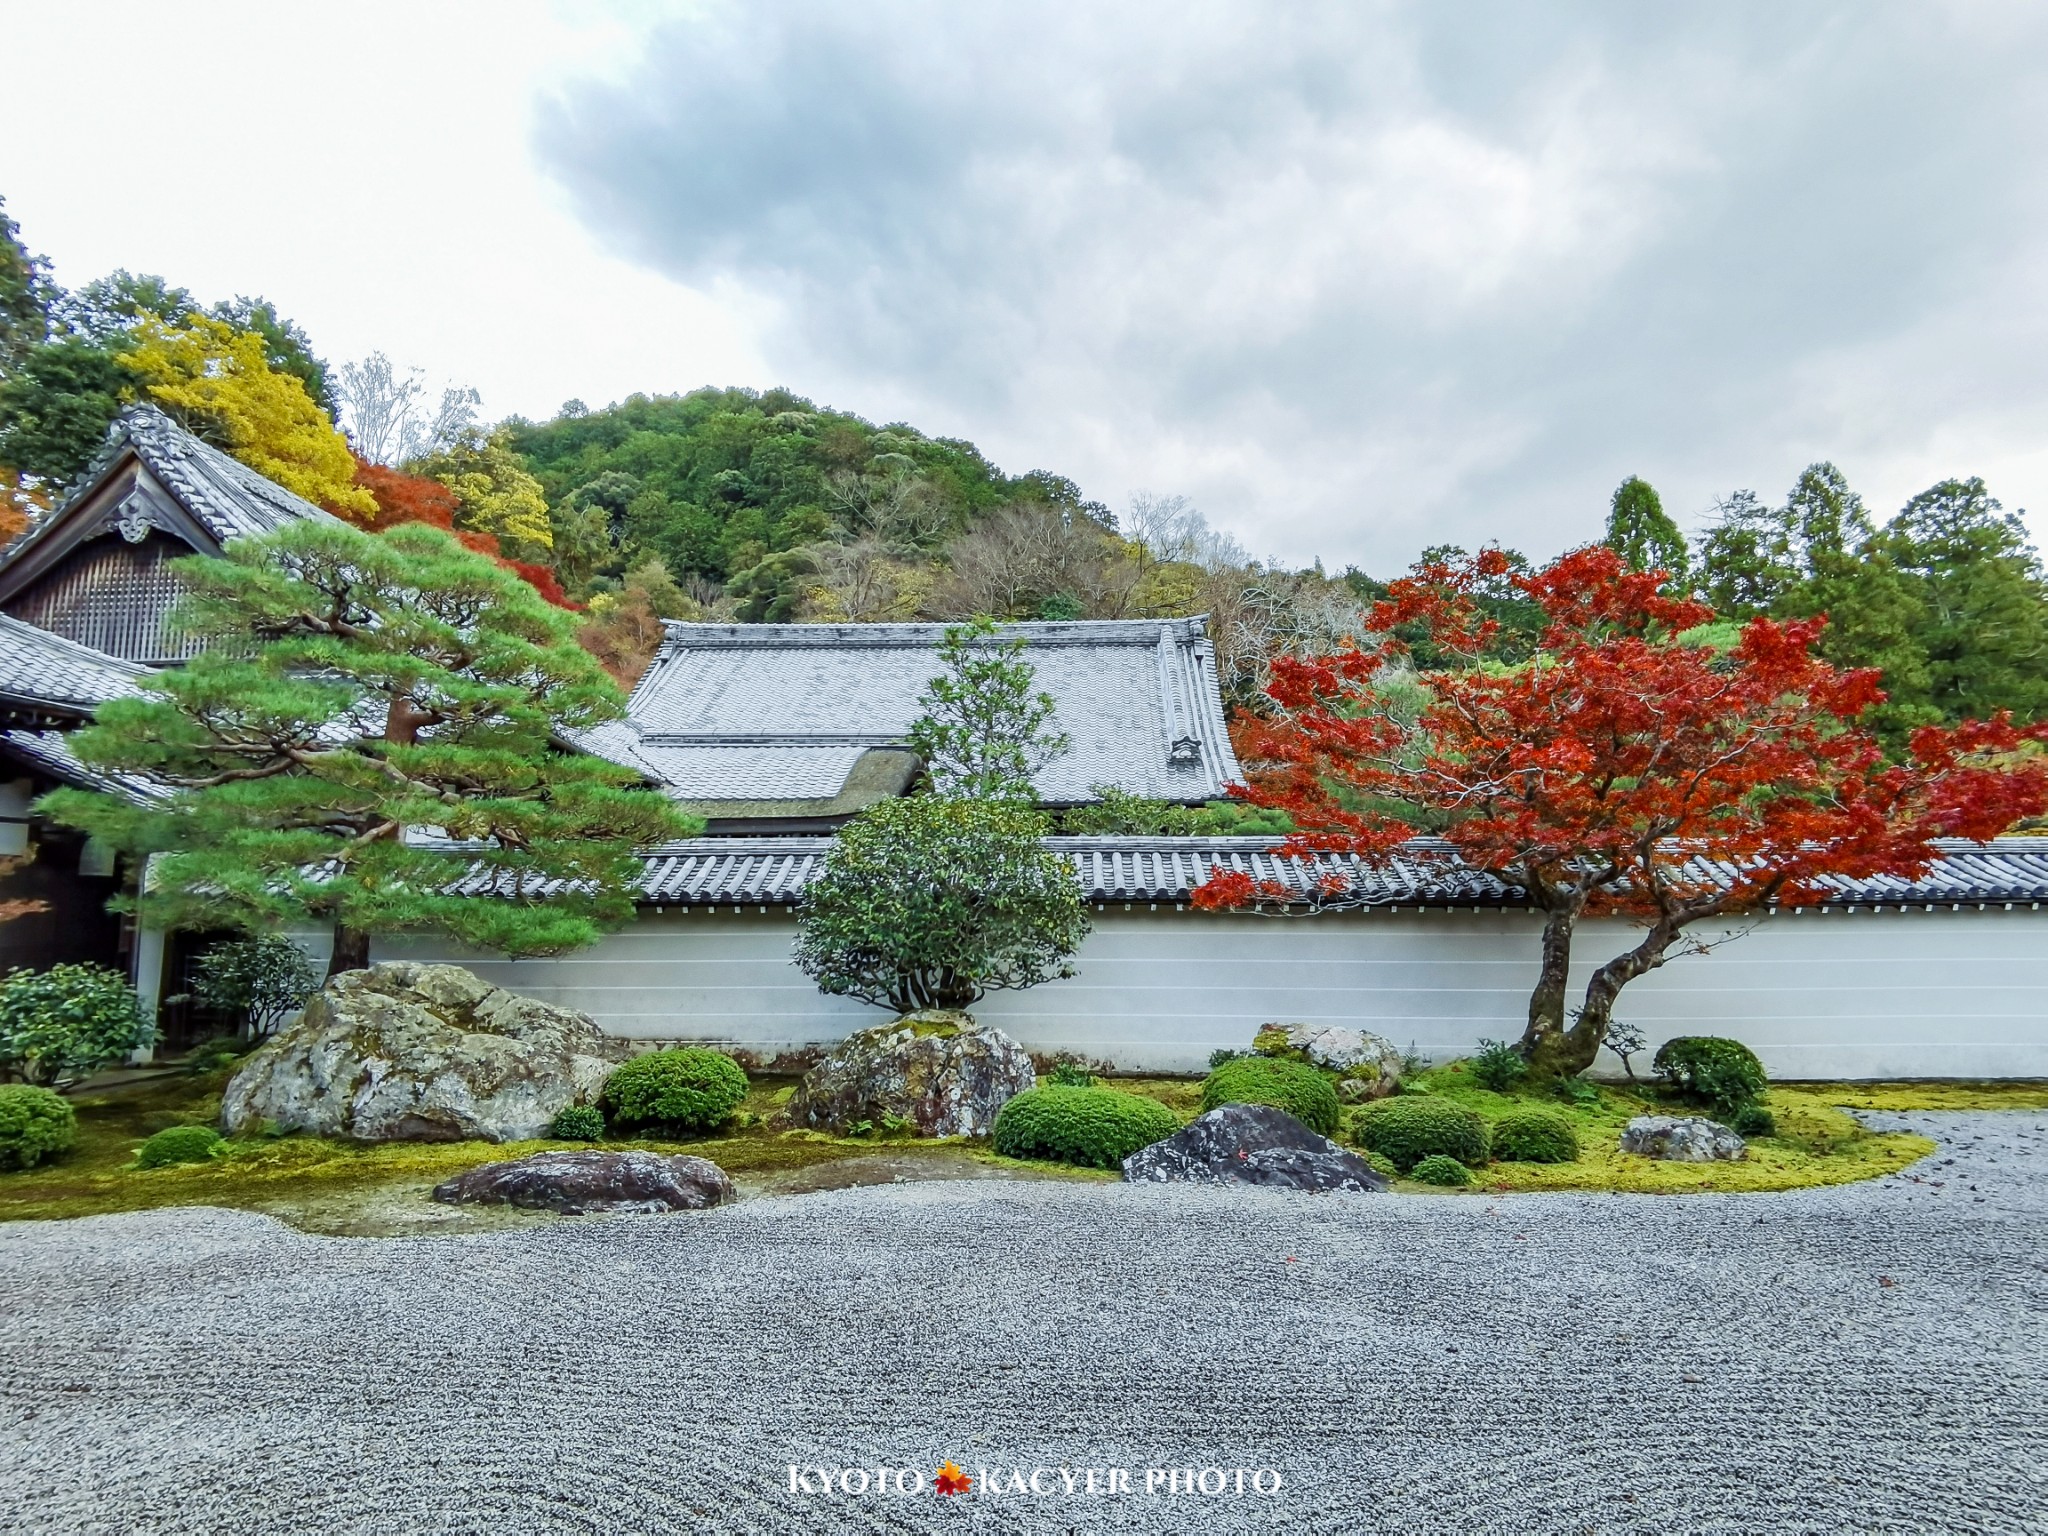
pixel 1404 1363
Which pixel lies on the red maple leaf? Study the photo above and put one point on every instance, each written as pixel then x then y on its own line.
pixel 952 1480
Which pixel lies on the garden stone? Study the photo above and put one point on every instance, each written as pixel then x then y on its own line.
pixel 945 1073
pixel 1251 1144
pixel 406 1052
pixel 1367 1066
pixel 578 1183
pixel 1682 1139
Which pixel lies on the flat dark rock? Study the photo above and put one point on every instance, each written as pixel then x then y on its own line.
pixel 580 1183
pixel 1251 1144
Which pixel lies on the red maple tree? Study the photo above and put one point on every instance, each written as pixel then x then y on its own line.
pixel 1631 768
pixel 403 498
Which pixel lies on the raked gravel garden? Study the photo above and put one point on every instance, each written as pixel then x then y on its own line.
pixel 1861 1357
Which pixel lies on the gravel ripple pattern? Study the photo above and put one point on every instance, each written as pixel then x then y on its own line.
pixel 1871 1358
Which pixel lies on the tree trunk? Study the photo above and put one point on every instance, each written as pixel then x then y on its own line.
pixel 1573 1051
pixel 1546 1004
pixel 351 951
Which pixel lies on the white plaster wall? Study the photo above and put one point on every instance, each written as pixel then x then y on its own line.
pixel 1845 995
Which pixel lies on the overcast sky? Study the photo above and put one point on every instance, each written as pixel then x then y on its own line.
pixel 1357 278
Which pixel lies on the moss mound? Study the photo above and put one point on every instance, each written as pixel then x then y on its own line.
pixel 687 1090
pixel 1412 1127
pixel 1535 1136
pixel 35 1124
pixel 1446 1172
pixel 1293 1086
pixel 180 1144
pixel 1722 1073
pixel 1090 1127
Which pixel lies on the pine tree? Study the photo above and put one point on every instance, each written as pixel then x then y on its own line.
pixel 1641 531
pixel 374 740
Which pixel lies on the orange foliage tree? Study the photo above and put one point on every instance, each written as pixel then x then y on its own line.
pixel 402 498
pixel 1631 768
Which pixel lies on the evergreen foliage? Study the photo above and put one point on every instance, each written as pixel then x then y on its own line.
pixel 35 1125
pixel 1090 1127
pixel 686 1090
pixel 259 981
pixel 933 902
pixel 1534 1136
pixel 984 732
pixel 578 1122
pixel 1642 532
pixel 1444 1172
pixel 1722 1073
pixel 375 726
pixel 1410 1127
pixel 60 1025
pixel 1294 1086
pixel 180 1144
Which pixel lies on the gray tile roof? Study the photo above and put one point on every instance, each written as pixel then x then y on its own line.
pixel 224 496
pixel 45 672
pixel 50 751
pixel 768 712
pixel 773 871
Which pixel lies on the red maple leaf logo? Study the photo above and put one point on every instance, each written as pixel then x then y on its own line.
pixel 952 1480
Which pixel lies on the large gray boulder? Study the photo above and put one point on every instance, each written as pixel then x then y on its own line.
pixel 1682 1139
pixel 1367 1065
pixel 578 1183
pixel 1251 1144
pixel 404 1052
pixel 945 1073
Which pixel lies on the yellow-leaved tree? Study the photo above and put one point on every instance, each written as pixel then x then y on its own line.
pixel 494 492
pixel 217 381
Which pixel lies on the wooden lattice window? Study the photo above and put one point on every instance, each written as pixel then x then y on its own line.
pixel 112 595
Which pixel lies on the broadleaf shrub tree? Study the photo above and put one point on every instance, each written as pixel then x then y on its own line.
pixel 933 902
pixel 59 1026
pixel 260 980
pixel 1622 770
pixel 373 742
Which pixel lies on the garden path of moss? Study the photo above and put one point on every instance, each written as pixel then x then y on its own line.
pixel 348 1189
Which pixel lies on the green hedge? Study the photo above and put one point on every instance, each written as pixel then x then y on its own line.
pixel 578 1122
pixel 690 1089
pixel 1724 1073
pixel 180 1144
pixel 34 1124
pixel 1408 1128
pixel 1092 1127
pixel 1535 1136
pixel 1293 1086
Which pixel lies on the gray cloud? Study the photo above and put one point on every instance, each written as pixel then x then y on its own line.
pixel 1365 278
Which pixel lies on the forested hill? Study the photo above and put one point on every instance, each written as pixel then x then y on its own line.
pixel 719 480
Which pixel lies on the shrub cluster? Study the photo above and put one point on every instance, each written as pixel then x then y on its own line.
pixel 1445 1171
pixel 1069 1073
pixel 1723 1073
pixel 1753 1120
pixel 1411 1127
pixel 180 1144
pixel 34 1124
pixel 1092 1127
pixel 578 1122
pixel 1293 1086
pixel 683 1090
pixel 1535 1136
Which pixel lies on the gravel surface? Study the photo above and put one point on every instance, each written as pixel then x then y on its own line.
pixel 1873 1358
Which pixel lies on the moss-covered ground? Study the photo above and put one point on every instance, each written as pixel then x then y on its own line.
pixel 346 1188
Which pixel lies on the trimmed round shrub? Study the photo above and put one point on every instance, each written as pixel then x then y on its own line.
pixel 1753 1120
pixel 34 1124
pixel 1725 1073
pixel 1411 1127
pixel 1382 1165
pixel 1535 1136
pixel 1091 1127
pixel 1293 1086
pixel 1445 1171
pixel 180 1144
pixel 689 1089
pixel 579 1122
